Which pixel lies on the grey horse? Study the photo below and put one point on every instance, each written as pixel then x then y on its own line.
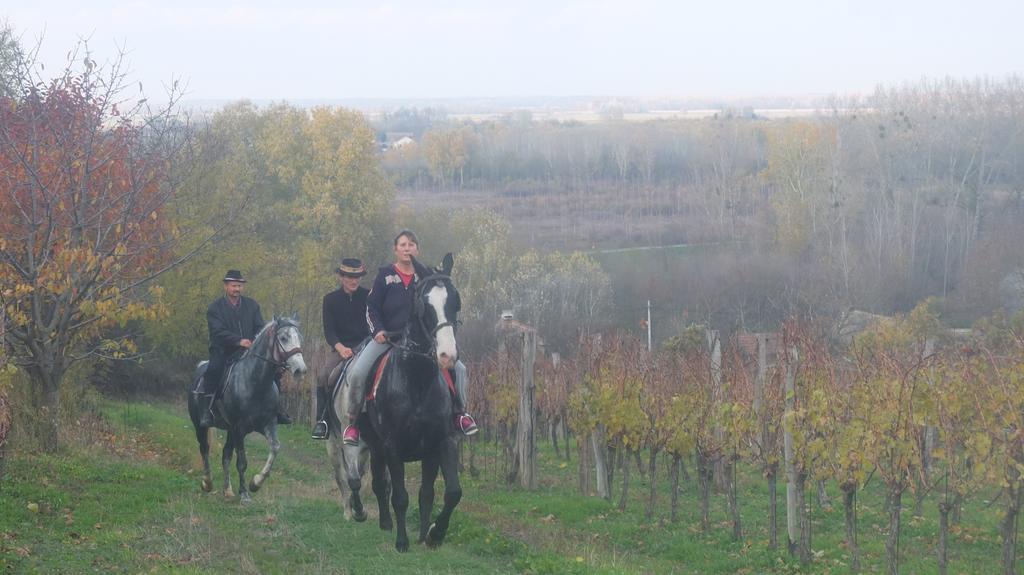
pixel 348 462
pixel 249 402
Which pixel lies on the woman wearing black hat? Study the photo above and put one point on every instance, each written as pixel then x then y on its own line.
pixel 344 315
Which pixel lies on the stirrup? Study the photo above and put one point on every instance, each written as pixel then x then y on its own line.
pixel 321 430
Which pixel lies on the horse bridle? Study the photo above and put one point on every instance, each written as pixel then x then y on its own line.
pixel 280 355
pixel 418 312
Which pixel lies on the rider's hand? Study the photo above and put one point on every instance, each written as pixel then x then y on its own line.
pixel 246 343
pixel 380 337
pixel 344 352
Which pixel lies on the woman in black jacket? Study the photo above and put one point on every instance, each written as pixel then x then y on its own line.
pixel 387 310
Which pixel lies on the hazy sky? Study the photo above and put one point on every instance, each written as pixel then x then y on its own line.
pixel 416 48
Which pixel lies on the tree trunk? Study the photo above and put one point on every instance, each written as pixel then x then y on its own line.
pixel 677 461
pixel 625 481
pixel 614 461
pixel 600 464
pixel 49 411
pixel 584 466
pixel 734 506
pixel 773 506
pixel 823 500
pixel 941 550
pixel 565 436
pixel 553 427
pixel 1008 528
pixel 958 505
pixel 804 520
pixel 849 506
pixel 652 495
pixel 892 541
pixel 704 477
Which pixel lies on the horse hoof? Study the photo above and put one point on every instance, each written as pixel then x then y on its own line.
pixel 229 494
pixel 255 484
pixel 359 517
pixel 402 546
pixel 385 525
pixel 245 499
pixel 434 538
pixel 206 485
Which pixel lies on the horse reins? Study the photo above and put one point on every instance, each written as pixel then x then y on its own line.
pixel 431 334
pixel 281 355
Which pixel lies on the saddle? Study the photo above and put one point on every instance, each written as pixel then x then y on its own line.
pixel 378 372
pixel 219 388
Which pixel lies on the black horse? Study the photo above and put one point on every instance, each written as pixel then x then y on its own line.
pixel 411 417
pixel 250 402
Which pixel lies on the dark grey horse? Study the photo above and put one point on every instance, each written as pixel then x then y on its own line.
pixel 250 401
pixel 411 418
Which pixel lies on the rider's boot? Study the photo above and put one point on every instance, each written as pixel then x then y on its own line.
pixel 206 418
pixel 464 422
pixel 282 417
pixel 321 430
pixel 351 435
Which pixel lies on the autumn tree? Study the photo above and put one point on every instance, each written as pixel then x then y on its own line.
pixel 85 172
pixel 447 151
pixel 299 189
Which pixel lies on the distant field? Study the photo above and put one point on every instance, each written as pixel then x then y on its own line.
pixel 596 116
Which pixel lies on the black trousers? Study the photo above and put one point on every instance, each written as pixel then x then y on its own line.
pixel 214 374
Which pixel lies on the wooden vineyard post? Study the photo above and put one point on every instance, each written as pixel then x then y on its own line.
pixel 526 439
pixel 715 347
pixel 792 511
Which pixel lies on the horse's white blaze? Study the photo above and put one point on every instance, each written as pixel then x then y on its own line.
pixel 447 352
pixel 295 362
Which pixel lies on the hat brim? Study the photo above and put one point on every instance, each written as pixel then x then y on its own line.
pixel 350 272
pixel 239 280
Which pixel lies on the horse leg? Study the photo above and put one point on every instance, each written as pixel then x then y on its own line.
pixel 381 489
pixel 275 446
pixel 355 459
pixel 429 468
pixel 336 455
pixel 225 460
pixel 241 464
pixel 452 493
pixel 399 500
pixel 203 436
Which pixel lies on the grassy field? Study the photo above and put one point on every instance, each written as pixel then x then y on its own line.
pixel 130 502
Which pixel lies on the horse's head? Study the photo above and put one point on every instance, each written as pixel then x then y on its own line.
pixel 436 309
pixel 288 344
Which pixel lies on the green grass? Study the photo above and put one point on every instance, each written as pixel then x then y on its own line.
pixel 130 502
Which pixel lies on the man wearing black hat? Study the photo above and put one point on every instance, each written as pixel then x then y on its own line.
pixel 344 315
pixel 233 321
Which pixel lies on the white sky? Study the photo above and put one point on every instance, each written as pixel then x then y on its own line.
pixel 299 49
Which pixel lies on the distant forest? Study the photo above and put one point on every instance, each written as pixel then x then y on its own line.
pixel 880 202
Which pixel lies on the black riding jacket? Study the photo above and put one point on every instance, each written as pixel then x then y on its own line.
pixel 390 303
pixel 230 324
pixel 345 317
